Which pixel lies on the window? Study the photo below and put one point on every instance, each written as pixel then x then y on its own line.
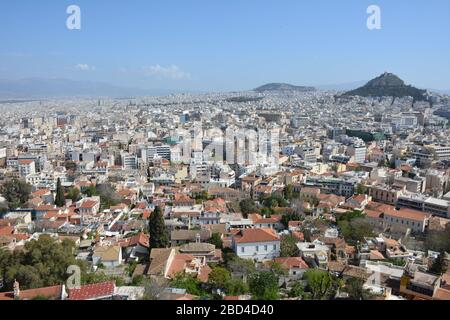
pixel 265 247
pixel 274 247
pixel 257 248
pixel 242 249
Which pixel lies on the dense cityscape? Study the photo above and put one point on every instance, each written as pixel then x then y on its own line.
pixel 280 193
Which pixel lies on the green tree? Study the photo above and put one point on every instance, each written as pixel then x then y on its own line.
pixel 438 240
pixel 16 192
pixel 297 290
pixel 60 200
pixel 319 283
pixel 154 288
pixel 264 286
pixel 91 191
pixel 159 237
pixel 241 266
pixel 219 277
pixel 355 289
pixel 191 284
pixel 236 287
pixel 288 247
pixel 361 189
pixel 43 262
pixel 70 166
pixel 216 240
pixel 274 201
pixel 355 230
pixel 439 265
pixel 108 196
pixel 288 192
pixel 247 207
pixel 297 215
pixel 73 194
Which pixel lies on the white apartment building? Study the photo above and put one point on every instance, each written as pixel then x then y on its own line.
pixel 257 244
pixel 26 167
pixel 357 152
pixel 150 152
pixel 129 161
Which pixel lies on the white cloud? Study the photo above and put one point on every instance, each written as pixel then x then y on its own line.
pixel 84 67
pixel 171 72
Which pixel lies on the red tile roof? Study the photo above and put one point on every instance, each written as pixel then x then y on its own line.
pixel 40 192
pixel 93 291
pixel 405 213
pixel 88 204
pixel 256 235
pixel 292 262
pixel 141 238
pixel 8 230
pixel 54 292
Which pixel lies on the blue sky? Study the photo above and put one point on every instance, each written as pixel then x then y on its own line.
pixel 208 45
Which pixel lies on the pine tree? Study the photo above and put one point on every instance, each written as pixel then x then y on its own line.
pixel 159 237
pixel 438 266
pixel 60 201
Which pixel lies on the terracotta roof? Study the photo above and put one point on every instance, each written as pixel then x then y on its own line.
pixel 405 213
pixel 141 238
pixel 294 223
pixel 25 162
pixel 108 253
pixel 47 208
pixel 93 291
pixel 146 214
pixel 256 235
pixel 179 263
pixel 292 262
pixel 54 292
pixel 158 260
pixel 299 235
pixel 40 192
pixel 88 204
pixel 376 255
pixel 8 230
pixel 442 294
pixel 372 213
pixel 216 205
pixel 272 219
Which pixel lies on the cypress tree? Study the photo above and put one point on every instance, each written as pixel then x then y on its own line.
pixel 159 237
pixel 60 201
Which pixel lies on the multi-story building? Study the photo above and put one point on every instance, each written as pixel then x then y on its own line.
pixel 256 244
pixel 26 167
pixel 385 194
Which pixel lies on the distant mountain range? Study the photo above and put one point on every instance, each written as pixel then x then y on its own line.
pixel 388 85
pixel 36 88
pixel 283 87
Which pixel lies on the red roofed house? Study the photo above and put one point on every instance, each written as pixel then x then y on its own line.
pixel 212 211
pixel 98 291
pixel 258 244
pixel 50 293
pixel 188 264
pixel 26 167
pixel 296 266
pixel 403 219
pixel 89 206
pixel 136 246
pixel 274 222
